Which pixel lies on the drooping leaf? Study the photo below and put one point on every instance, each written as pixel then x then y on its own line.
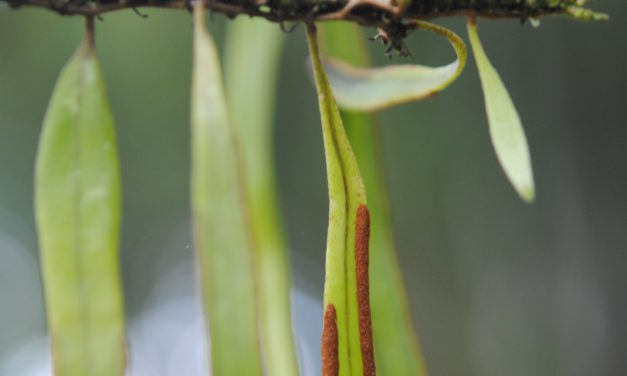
pixel 220 229
pixel 251 97
pixel 506 131
pixel 77 207
pixel 396 346
pixel 370 89
pixel 347 347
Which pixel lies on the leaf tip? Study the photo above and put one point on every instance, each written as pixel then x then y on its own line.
pixel 527 193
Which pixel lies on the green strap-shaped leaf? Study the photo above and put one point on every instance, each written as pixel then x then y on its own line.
pixel 251 97
pixel 77 207
pixel 397 350
pixel 221 233
pixel 347 334
pixel 506 131
pixel 371 89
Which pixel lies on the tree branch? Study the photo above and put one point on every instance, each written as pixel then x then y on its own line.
pixel 365 12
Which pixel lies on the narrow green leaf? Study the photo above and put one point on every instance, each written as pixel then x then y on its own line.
pixel 77 207
pixel 221 233
pixel 372 89
pixel 346 291
pixel 506 131
pixel 396 345
pixel 251 95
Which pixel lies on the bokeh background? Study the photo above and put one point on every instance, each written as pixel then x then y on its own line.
pixel 497 287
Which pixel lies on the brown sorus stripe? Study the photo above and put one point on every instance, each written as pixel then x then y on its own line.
pixel 362 235
pixel 330 361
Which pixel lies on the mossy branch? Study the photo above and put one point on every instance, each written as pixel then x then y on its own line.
pixel 365 12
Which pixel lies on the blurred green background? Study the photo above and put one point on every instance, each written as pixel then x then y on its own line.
pixel 497 287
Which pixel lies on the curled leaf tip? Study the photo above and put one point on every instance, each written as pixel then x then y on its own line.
pixel 372 89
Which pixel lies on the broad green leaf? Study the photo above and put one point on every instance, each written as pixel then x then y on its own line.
pixel 251 95
pixel 396 346
pixel 347 334
pixel 220 228
pixel 371 89
pixel 506 131
pixel 77 208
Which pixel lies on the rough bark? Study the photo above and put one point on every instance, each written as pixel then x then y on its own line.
pixel 367 12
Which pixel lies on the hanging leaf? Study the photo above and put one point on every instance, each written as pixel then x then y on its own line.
pixel 397 350
pixel 506 131
pixel 77 207
pixel 251 95
pixel 372 89
pixel 221 233
pixel 347 347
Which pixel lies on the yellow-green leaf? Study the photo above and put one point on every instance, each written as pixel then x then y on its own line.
pixel 77 205
pixel 251 94
pixel 347 335
pixel 371 89
pixel 506 131
pixel 220 228
pixel 396 346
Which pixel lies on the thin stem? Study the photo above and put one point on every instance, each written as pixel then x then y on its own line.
pixel 89 32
